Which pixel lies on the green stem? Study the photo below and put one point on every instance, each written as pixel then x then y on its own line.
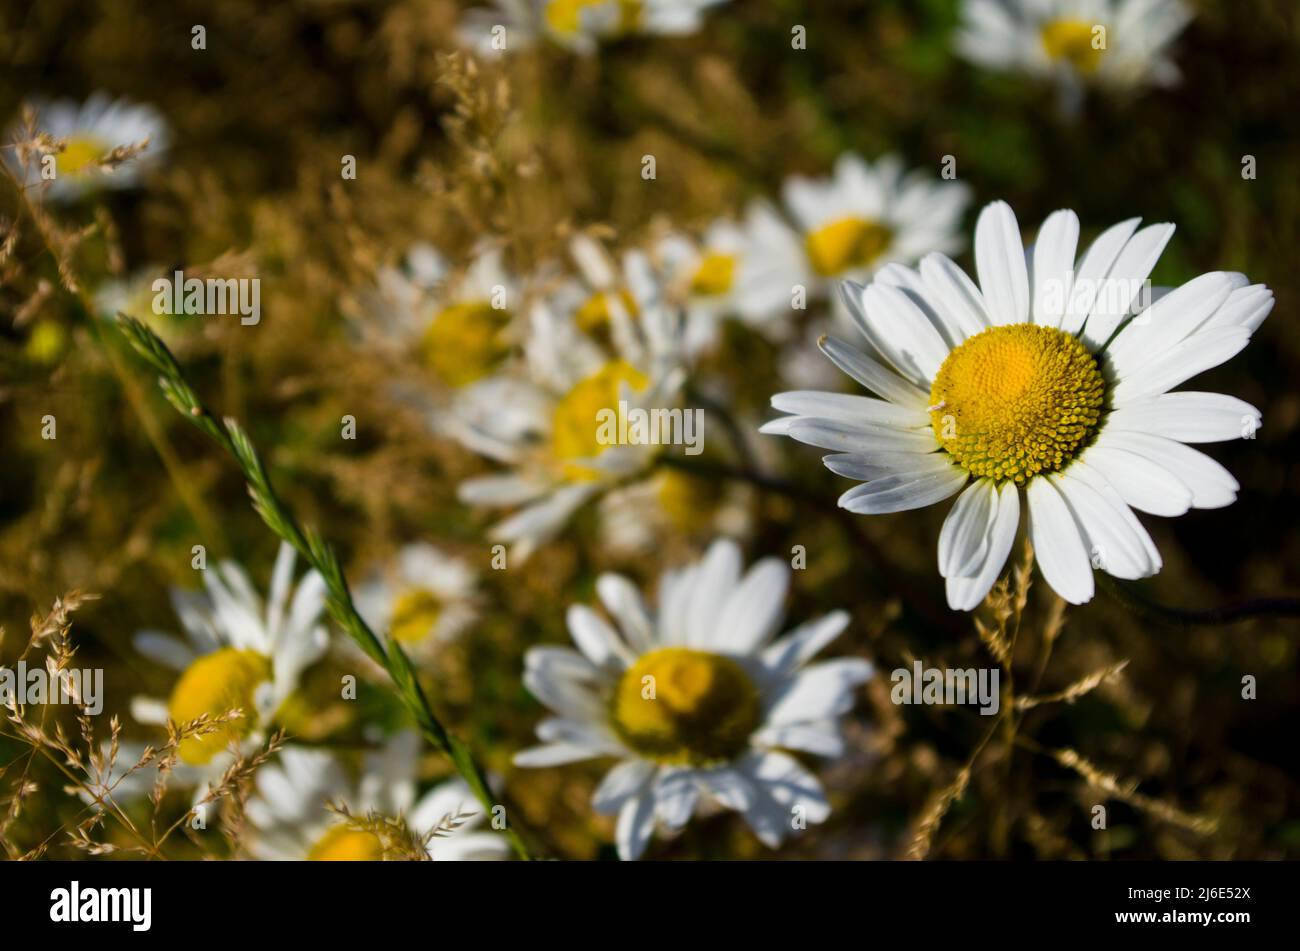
pixel 1127 594
pixel 320 555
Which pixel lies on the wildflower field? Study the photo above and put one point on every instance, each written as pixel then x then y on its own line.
pixel 665 429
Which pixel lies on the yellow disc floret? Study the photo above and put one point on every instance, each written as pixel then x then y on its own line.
pixel 415 614
pixel 80 157
pixel 845 244
pixel 715 275
pixel 565 16
pixel 679 705
pixel 214 685
pixel 1016 401
pixel 596 313
pixel 463 343
pixel 575 425
pixel 1072 41
pixel 343 844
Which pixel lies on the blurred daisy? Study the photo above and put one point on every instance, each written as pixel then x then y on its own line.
pixel 1049 380
pixel 457 325
pixel 291 820
pixel 1115 43
pixel 866 216
pixel 673 503
pixel 425 596
pixel 237 654
pixel 89 133
pixel 736 269
pixel 135 295
pixel 580 25
pixel 543 424
pixel 696 701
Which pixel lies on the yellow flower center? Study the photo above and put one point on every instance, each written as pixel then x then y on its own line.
pixel 463 342
pixel 689 501
pixel 847 243
pixel 678 705
pixel 565 16
pixel 214 685
pixel 80 157
pixel 1015 401
pixel 47 342
pixel 415 613
pixel 342 844
pixel 575 425
pixel 714 275
pixel 595 315
pixel 1071 41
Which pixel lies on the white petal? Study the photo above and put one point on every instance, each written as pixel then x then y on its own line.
pixel 623 601
pixel 163 649
pixel 954 294
pixel 629 778
pixel 1188 417
pixel 596 639
pixel 636 823
pixel 820 737
pixel 860 437
pixel 1123 283
pixel 1211 485
pixel 676 795
pixel 900 493
pixel 1112 543
pixel 875 377
pixel 1092 270
pixel 1181 362
pixel 553 754
pixel 865 466
pixel 1054 251
pixel 1000 263
pixel 1141 483
pixel 716 578
pixel 1058 546
pixel 850 408
pixel 803 643
pixel 753 612
pixel 965 593
pixel 1169 321
pixel 900 331
pixel 819 691
pixel 963 541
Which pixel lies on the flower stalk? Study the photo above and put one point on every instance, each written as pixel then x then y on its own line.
pixel 321 556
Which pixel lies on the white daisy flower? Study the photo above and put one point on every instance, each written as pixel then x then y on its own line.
pixel 671 503
pixel 424 597
pixel 867 216
pixel 748 270
pixel 1040 383
pixel 697 701
pixel 579 25
pixel 1114 43
pixel 91 131
pixel 291 821
pixel 237 653
pixel 544 424
pixel 458 325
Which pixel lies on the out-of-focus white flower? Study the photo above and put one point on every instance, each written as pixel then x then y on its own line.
pixel 459 325
pixel 422 598
pixel 90 131
pixel 238 653
pixel 291 822
pixel 579 25
pixel 602 342
pixel 697 701
pixel 1118 44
